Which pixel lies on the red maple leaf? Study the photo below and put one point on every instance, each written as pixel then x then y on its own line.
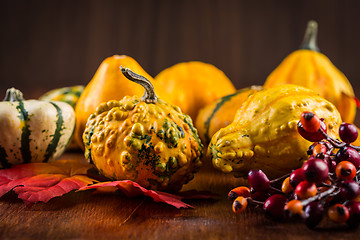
pixel 40 182
pixel 132 189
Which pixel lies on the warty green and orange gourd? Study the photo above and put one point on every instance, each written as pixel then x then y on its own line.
pixel 264 132
pixel 145 140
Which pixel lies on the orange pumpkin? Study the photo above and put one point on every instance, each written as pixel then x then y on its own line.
pixel 193 85
pixel 309 68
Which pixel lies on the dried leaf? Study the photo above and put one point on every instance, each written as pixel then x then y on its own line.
pixel 40 182
pixel 132 189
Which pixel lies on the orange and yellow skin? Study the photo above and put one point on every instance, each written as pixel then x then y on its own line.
pixel 313 70
pixel 153 144
pixel 264 132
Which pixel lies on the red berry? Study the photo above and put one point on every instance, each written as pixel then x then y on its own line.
pixel 258 180
pixel 239 191
pixel 354 211
pixel 305 190
pixel 338 213
pixel 239 205
pixel 274 206
pixel 294 207
pixel 313 214
pixel 286 186
pixel 310 122
pixel 349 189
pixel 259 196
pixel 319 149
pixel 348 132
pixel 316 170
pixel 314 136
pixel 296 177
pixel 345 170
pixel 349 154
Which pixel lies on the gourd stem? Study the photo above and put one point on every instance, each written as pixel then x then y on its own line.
pixel 310 37
pixel 13 95
pixel 149 95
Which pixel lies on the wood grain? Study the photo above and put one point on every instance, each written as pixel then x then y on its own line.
pixel 83 215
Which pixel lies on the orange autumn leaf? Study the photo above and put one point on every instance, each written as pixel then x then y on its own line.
pixel 40 182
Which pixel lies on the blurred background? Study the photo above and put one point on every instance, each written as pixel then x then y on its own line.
pixel 51 44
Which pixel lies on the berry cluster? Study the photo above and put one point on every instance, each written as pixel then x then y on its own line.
pixel 326 184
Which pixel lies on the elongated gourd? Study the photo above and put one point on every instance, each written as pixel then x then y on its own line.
pixel 221 112
pixel 33 130
pixel 264 133
pixel 145 140
pixel 107 84
pixel 193 85
pixel 309 68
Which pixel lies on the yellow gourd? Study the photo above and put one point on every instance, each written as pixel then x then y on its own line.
pixel 107 84
pixel 309 68
pixel 264 133
pixel 145 140
pixel 221 112
pixel 193 85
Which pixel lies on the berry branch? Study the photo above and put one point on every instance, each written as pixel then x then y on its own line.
pixel 327 184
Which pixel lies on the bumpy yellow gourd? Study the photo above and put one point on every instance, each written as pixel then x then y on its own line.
pixel 193 85
pixel 264 133
pixel 145 140
pixel 221 112
pixel 309 68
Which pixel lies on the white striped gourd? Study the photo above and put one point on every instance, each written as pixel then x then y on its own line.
pixel 33 130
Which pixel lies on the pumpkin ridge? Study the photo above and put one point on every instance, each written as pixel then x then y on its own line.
pixel 317 73
pixel 57 134
pixel 217 107
pixel 295 65
pixel 3 161
pixel 25 132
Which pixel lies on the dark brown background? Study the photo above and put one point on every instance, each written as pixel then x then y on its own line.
pixel 50 44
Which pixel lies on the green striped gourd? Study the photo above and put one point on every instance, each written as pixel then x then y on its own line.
pixel 69 95
pixel 33 130
pixel 221 112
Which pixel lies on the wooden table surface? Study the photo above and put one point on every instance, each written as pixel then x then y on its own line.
pixel 83 215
